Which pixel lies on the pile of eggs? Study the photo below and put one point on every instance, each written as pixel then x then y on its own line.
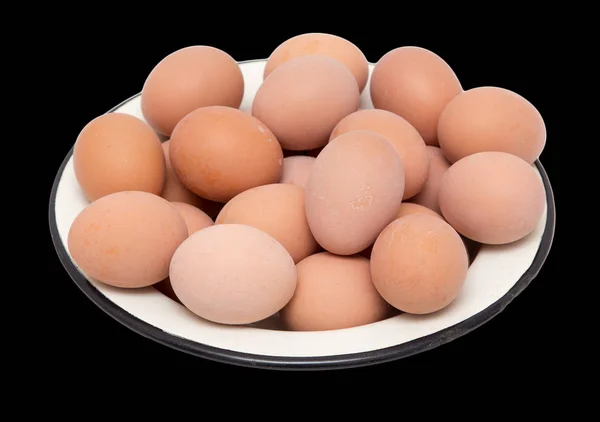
pixel 305 209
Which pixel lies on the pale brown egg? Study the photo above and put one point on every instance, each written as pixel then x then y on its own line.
pixel 333 292
pixel 189 78
pixel 354 191
pixel 438 164
pixel 232 274
pixel 407 208
pixel 417 84
pixel 303 99
pixel 492 197
pixel 419 264
pixel 402 135
pixel 491 119
pixel 218 152
pixel 278 210
pixel 296 170
pixel 329 45
pixel 117 152
pixel 195 219
pixel 126 239
pixel 173 190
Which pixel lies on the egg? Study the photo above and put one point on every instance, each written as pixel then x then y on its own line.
pixel 126 239
pixel 187 79
pixel 117 152
pixel 491 119
pixel 404 138
pixel 438 164
pixel 303 99
pixel 419 264
pixel 333 292
pixel 173 190
pixel 354 190
pixel 218 152
pixel 492 197
pixel 233 274
pixel 278 210
pixel 296 170
pixel 329 45
pixel 195 219
pixel 417 84
pixel 407 208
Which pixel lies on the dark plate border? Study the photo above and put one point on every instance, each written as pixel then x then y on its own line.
pixel 303 363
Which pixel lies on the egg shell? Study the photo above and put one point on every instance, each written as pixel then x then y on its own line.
pixel 233 274
pixel 189 78
pixel 328 45
pixel 126 239
pixel 278 210
pixel 419 264
pixel 354 190
pixel 417 84
pixel 117 152
pixel 303 99
pixel 492 197
pixel 296 170
pixel 491 119
pixel 333 292
pixel 402 135
pixel 438 164
pixel 195 219
pixel 218 152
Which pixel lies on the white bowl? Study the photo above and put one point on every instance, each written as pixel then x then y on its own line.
pixel 497 275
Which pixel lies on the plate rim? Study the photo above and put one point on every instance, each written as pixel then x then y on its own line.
pixel 341 361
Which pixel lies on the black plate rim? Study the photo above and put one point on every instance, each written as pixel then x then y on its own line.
pixel 352 360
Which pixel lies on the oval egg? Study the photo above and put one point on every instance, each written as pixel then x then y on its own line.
pixel 491 119
pixel 218 152
pixel 126 239
pixel 502 204
pixel 261 282
pixel 187 79
pixel 354 191
pixel 417 84
pixel 296 170
pixel 117 152
pixel 303 99
pixel 438 164
pixel 195 219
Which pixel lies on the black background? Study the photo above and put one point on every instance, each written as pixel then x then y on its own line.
pixel 105 66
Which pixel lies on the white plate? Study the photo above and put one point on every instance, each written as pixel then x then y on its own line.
pixel 498 274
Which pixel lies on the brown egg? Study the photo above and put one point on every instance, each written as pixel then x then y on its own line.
pixel 195 219
pixel 232 274
pixel 354 191
pixel 189 78
pixel 402 135
pixel 333 292
pixel 173 190
pixel 438 164
pixel 492 197
pixel 278 210
pixel 296 170
pixel 419 264
pixel 406 208
pixel 491 119
pixel 304 98
pixel 416 84
pixel 117 152
pixel 218 152
pixel 126 239
pixel 328 45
